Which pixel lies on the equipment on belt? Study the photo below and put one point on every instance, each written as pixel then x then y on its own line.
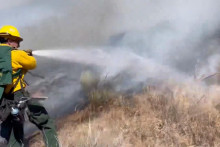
pixel 18 108
pixel 9 106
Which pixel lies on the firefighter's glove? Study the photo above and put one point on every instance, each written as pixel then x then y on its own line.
pixel 29 52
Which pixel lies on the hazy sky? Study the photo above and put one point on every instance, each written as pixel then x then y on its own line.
pixel 22 13
pixel 86 22
pixel 160 29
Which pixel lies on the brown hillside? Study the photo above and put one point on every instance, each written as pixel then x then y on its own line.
pixel 175 116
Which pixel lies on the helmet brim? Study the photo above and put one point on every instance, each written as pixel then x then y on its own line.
pixel 8 36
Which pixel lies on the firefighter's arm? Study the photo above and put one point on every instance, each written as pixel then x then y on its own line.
pixel 28 62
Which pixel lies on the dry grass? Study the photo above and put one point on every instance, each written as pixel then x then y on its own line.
pixel 176 116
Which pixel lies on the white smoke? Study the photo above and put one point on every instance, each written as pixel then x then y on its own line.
pixel 176 33
pixel 142 39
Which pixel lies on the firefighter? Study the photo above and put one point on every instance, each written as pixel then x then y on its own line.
pixel 21 62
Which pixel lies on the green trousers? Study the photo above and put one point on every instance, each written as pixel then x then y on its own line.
pixel 13 131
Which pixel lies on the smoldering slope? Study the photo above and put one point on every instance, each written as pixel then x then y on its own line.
pixel 59 73
pixel 136 41
pixel 63 69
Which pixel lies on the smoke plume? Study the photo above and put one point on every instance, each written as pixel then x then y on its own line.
pixel 136 41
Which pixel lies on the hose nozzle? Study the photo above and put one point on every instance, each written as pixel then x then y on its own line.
pixel 29 52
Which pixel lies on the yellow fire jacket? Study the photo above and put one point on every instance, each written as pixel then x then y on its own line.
pixel 20 60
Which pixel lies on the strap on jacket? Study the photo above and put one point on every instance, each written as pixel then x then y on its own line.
pixel 19 75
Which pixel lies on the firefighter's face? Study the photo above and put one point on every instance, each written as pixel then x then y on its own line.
pixel 13 43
